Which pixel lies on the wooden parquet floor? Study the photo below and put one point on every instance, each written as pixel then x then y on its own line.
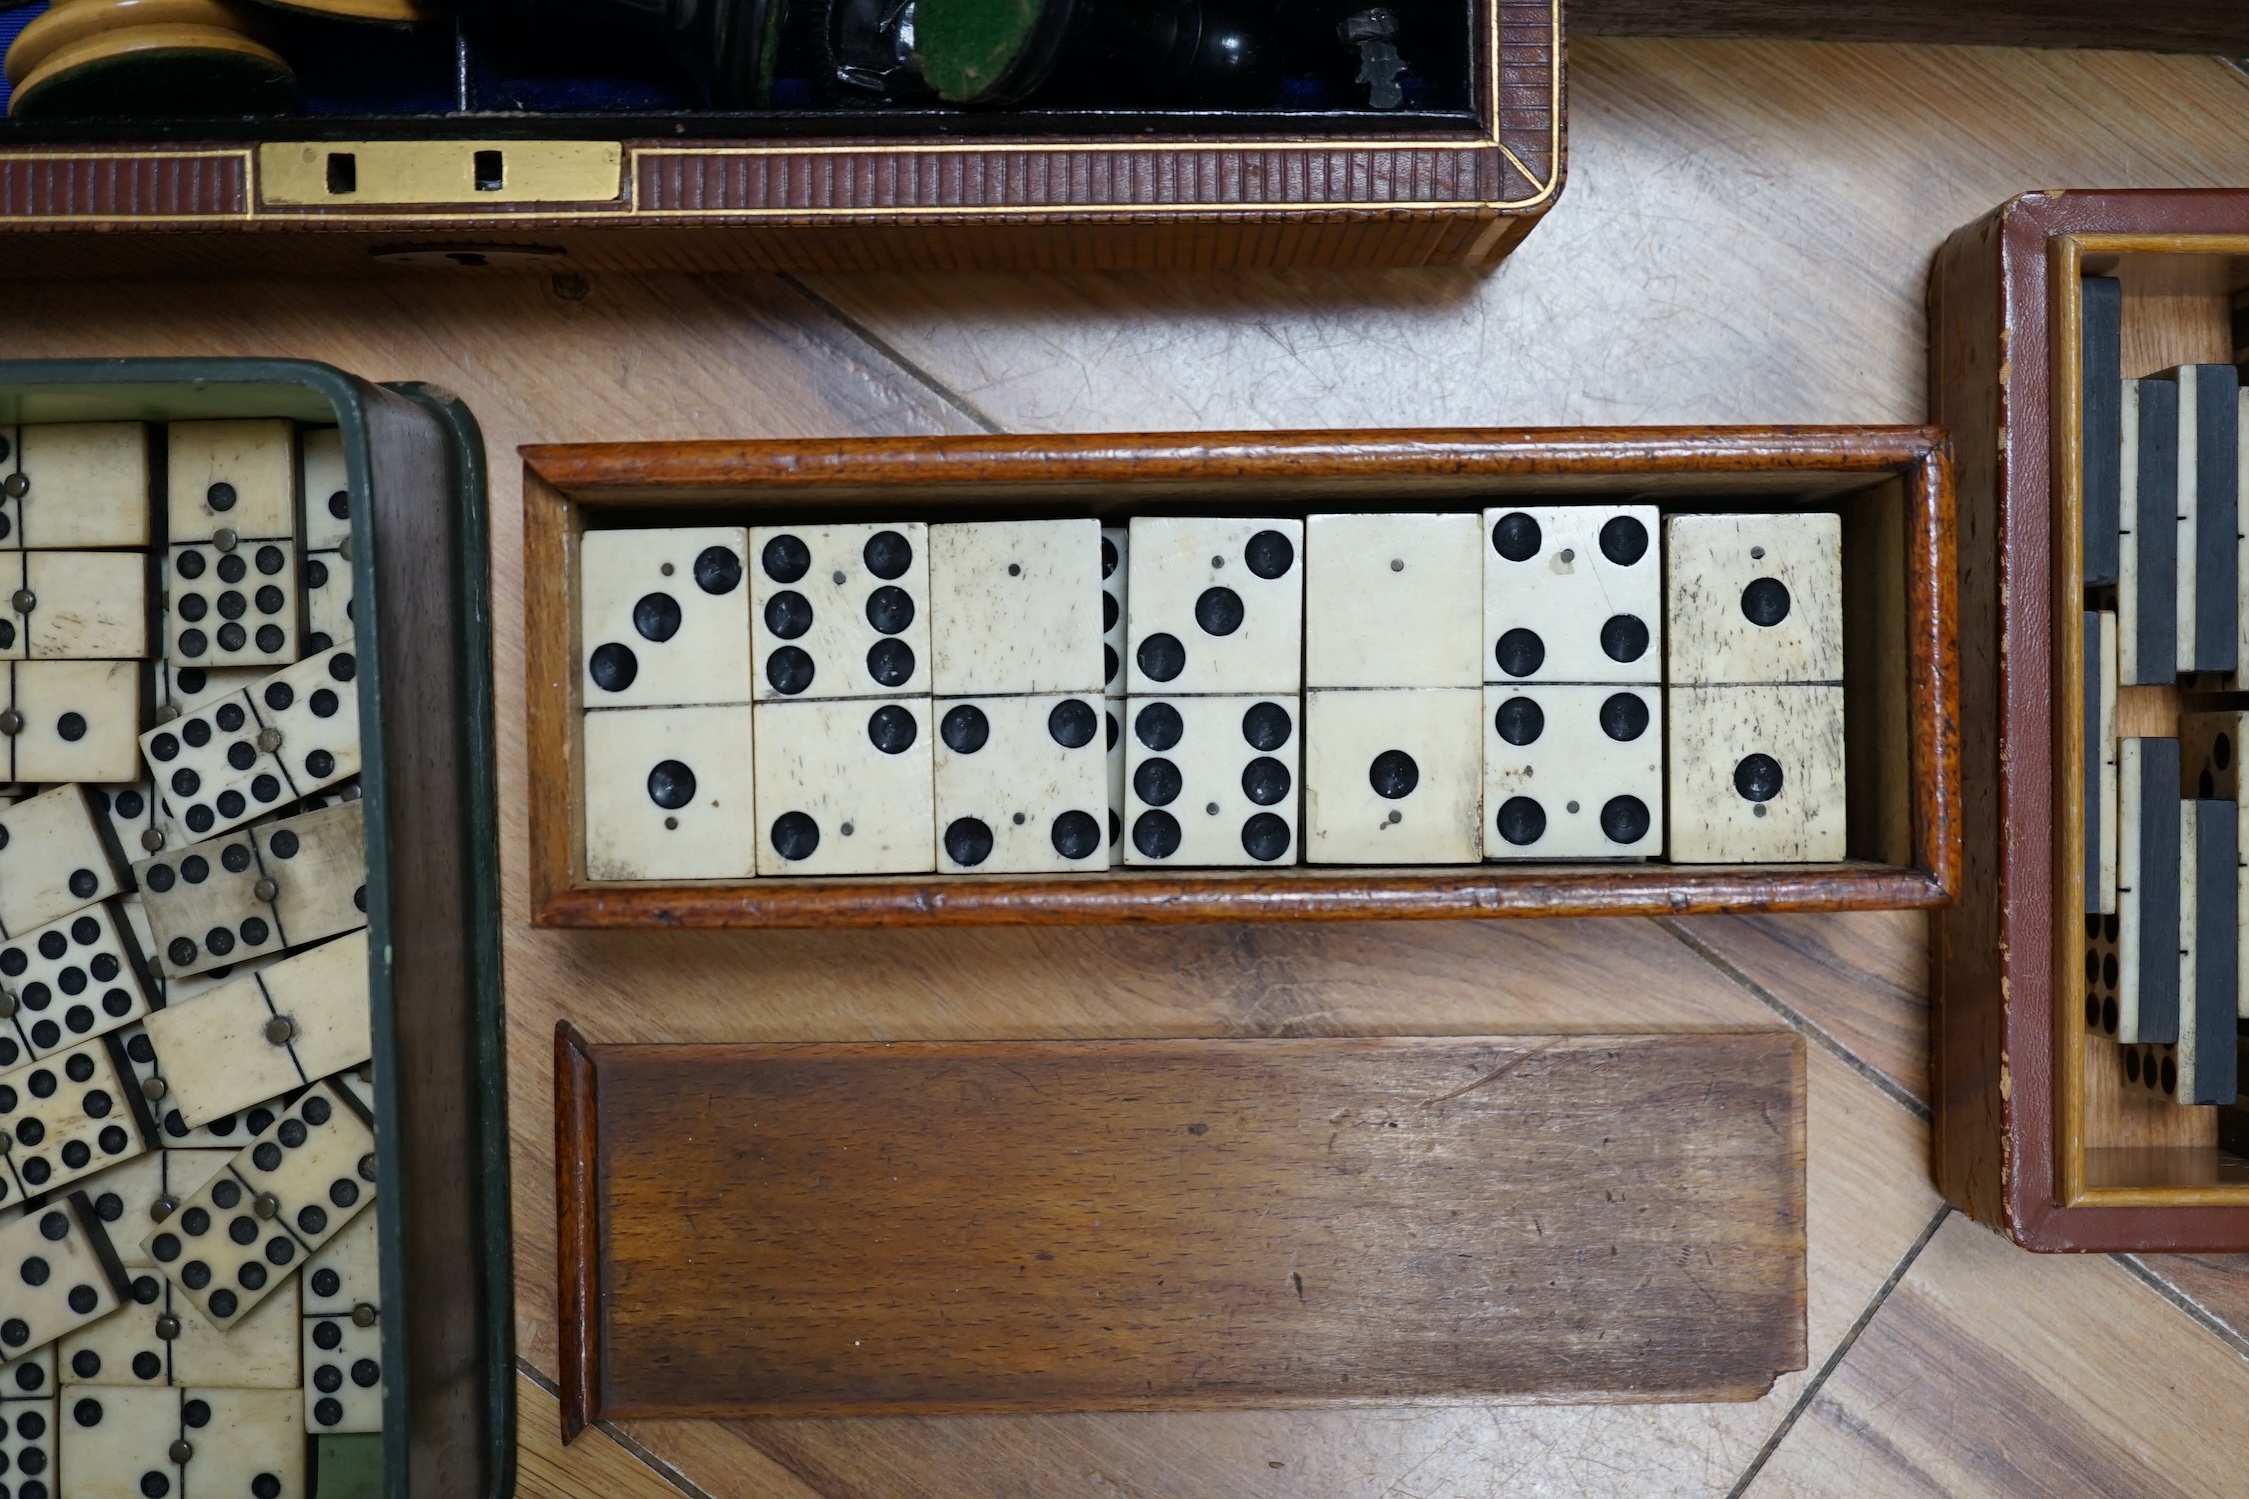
pixel 1745 238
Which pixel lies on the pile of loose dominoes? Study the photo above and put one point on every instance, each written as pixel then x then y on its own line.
pixel 1543 682
pixel 2165 484
pixel 188 1262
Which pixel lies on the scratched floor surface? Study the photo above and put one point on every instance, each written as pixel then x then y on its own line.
pixel 1744 238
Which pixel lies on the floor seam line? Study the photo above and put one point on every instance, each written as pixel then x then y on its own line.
pixel 891 352
pixel 631 1444
pixel 1802 1024
pixel 1843 1347
pixel 2139 1270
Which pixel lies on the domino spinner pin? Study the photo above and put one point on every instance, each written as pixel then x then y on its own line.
pixel 27 1420
pixel 61 1273
pixel 293 733
pixel 1215 606
pixel 840 611
pixel 70 1114
pixel 1021 784
pixel 133 818
pixel 1212 780
pixel 257 890
pixel 57 855
pixel 118 1443
pixel 326 533
pixel 293 1190
pixel 343 1336
pixel 72 720
pixel 1572 593
pixel 260 1035
pixel 153 1339
pixel 76 484
pixel 227 1130
pixel 79 976
pixel 231 491
pixel 76 606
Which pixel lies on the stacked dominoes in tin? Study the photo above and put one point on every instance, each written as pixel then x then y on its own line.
pixel 2165 485
pixel 1044 696
pixel 188 1281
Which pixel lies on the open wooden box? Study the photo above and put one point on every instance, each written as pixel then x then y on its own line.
pixel 1892 487
pixel 2040 1131
pixel 702 190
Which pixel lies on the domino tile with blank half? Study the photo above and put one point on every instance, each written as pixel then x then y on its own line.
pixel 231 498
pixel 258 1036
pixel 1020 763
pixel 77 606
pixel 1754 707
pixel 247 1230
pixel 75 485
pixel 1393 623
pixel 665 622
pixel 257 890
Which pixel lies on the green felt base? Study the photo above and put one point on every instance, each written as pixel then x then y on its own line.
pixel 967 46
pixel 348 1467
pixel 163 82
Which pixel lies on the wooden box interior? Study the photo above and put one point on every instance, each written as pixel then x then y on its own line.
pixel 2119 1141
pixel 1890 485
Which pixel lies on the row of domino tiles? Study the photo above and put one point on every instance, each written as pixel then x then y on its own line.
pixel 1528 682
pixel 2166 890
pixel 189 1293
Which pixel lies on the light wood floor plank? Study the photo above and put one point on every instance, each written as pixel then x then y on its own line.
pixel 1993 1373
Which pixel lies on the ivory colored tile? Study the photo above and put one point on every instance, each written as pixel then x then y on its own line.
pixel 1991 1372
pixel 326 488
pixel 1572 593
pixel 238 476
pixel 670 794
pixel 1215 606
pixel 1212 781
pixel 1015 607
pixel 233 603
pixel 840 611
pixel 1756 774
pixel 1116 571
pixel 1572 772
pixel 81 720
pixel 54 860
pixel 1753 598
pixel 664 618
pixel 87 485
pixel 1392 601
pixel 82 606
pixel 845 787
pixel 1393 777
pixel 1021 784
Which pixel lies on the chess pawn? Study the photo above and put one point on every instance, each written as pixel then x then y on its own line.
pixel 146 57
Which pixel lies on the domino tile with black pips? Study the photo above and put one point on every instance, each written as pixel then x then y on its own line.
pixel 72 720
pixel 70 1114
pixel 57 855
pixel 1212 780
pixel 845 787
pixel 286 736
pixel 1214 606
pixel 325 532
pixel 839 611
pixel 61 1272
pixel 77 977
pixel 27 1421
pixel 1571 593
pixel 1022 784
pixel 256 890
pixel 670 793
pixel 664 617
pixel 234 596
pixel 227 1131
pixel 1393 776
pixel 260 1035
pixel 120 1443
pixel 1573 772
pixel 343 1336
pixel 277 1202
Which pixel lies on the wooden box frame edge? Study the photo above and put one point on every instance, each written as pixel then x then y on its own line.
pixel 1010 471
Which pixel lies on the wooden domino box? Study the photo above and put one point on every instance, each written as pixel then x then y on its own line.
pixel 2047 1129
pixel 781 189
pixel 414 469
pixel 1890 486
